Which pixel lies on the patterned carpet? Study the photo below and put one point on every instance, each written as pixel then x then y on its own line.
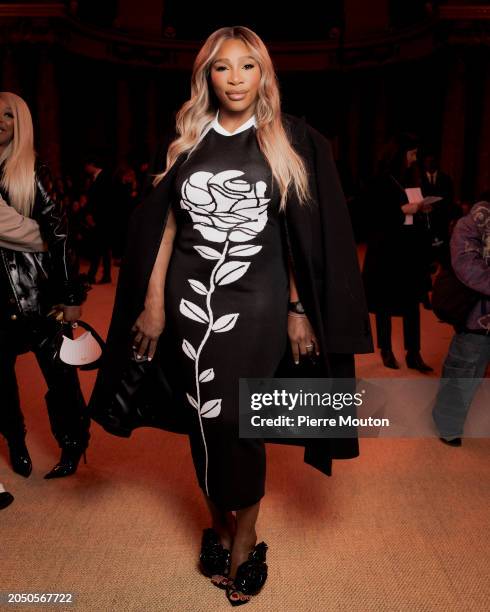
pixel 405 527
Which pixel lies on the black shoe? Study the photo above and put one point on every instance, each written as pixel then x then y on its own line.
pixel 250 577
pixel 389 360
pixel 105 280
pixel 214 559
pixel 68 463
pixel 426 303
pixel 452 441
pixel 6 499
pixel 90 280
pixel 19 457
pixel 415 362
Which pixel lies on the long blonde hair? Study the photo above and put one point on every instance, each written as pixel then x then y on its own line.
pixel 193 117
pixel 19 157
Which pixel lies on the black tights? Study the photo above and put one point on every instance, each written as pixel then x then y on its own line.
pixel 65 403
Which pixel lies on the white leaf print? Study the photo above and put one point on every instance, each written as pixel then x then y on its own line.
pixel 244 250
pixel 198 286
pixel 231 271
pixel 225 323
pixel 206 375
pixel 208 252
pixel 211 409
pixel 189 350
pixel 192 311
pixel 192 401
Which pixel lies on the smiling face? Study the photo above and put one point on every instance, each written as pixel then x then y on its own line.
pixel 235 78
pixel 6 124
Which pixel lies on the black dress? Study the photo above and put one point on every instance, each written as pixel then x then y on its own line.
pixel 226 296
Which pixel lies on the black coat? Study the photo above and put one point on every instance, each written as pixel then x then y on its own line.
pixel 32 283
pixel 396 269
pixel 320 240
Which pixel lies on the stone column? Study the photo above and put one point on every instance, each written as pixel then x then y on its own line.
pixel 152 135
pixel 353 126
pixel 380 116
pixel 483 176
pixel 48 136
pixel 452 150
pixel 9 77
pixel 123 117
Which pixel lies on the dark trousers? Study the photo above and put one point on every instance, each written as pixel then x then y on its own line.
pixel 67 411
pixel 101 250
pixel 411 329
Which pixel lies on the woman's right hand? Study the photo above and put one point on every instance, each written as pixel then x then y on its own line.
pixel 148 329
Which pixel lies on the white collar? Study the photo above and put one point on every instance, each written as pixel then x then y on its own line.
pixel 221 130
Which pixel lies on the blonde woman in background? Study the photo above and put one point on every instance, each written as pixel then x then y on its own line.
pixel 36 273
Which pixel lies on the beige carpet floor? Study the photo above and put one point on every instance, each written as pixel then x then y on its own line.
pixel 405 527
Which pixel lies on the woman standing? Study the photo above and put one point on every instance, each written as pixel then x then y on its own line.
pixel 233 260
pixel 397 265
pixel 35 274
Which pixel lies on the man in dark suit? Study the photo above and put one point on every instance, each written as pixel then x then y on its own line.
pixel 100 207
pixel 434 182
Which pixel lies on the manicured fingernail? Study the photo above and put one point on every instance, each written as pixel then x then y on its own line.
pixel 296 362
pixel 150 358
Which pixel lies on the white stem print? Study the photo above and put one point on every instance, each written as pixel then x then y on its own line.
pixel 223 210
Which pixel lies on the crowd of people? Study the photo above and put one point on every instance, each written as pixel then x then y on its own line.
pixel 98 206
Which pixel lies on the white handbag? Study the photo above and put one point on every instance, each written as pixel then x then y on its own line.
pixel 84 351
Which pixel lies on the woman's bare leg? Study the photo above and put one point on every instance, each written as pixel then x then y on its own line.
pixel 223 522
pixel 246 536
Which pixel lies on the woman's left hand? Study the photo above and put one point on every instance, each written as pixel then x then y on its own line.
pixel 71 313
pixel 302 337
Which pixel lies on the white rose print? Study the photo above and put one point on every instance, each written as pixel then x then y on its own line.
pixel 224 209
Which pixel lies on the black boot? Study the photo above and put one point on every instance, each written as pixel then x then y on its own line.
pixel 389 360
pixel 69 460
pixel 6 498
pixel 19 455
pixel 70 425
pixel 415 362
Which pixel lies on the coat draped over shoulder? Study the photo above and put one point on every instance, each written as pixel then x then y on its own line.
pixel 320 239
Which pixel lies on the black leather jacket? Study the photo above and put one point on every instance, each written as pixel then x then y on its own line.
pixel 31 283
